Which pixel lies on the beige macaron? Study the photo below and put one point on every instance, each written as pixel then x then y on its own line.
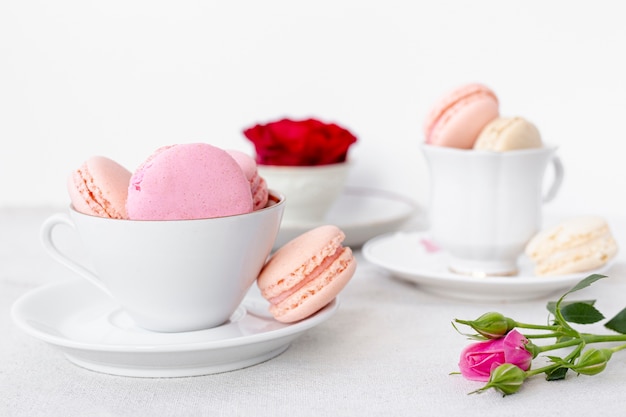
pixel 575 245
pixel 507 134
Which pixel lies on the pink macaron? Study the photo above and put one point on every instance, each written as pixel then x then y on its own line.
pixel 458 117
pixel 258 185
pixel 99 187
pixel 188 181
pixel 306 274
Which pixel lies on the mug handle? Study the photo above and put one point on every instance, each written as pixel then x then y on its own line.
pixel 557 181
pixel 46 238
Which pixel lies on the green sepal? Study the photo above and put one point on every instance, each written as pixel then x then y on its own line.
pixel 558 373
pixel 563 338
pixel 557 360
pixel 469 336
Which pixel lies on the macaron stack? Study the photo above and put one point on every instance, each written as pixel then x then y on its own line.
pixel 468 117
pixel 177 182
pixel 200 181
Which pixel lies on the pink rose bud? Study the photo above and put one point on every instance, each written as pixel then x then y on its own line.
pixel 479 359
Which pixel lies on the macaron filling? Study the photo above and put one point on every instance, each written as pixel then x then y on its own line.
pixel 259 190
pixel 94 196
pixel 313 275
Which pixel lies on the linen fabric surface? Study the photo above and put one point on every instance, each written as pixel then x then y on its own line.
pixel 389 350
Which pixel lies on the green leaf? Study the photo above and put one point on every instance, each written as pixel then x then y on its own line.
pixel 581 313
pixel 556 374
pixel 618 323
pixel 582 284
pixel 551 306
pixel 585 283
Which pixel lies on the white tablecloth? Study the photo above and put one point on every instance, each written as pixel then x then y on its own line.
pixel 389 350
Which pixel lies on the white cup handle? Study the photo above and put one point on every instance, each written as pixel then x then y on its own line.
pixel 46 238
pixel 557 181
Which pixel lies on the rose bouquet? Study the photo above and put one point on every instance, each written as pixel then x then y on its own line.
pixel 306 142
pixel 503 356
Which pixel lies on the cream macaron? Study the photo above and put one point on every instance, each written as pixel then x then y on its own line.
pixel 507 134
pixel 576 245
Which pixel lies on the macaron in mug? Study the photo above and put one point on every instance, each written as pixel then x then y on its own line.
pixel 172 275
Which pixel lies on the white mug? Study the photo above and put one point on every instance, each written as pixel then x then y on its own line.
pixel 173 275
pixel 485 206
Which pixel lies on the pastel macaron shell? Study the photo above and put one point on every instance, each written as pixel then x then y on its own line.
pixel 507 134
pixel 458 117
pixel 188 181
pixel 258 185
pixel 575 245
pixel 307 273
pixel 99 187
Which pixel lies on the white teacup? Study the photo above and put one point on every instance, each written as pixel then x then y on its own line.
pixel 173 276
pixel 310 190
pixel 485 206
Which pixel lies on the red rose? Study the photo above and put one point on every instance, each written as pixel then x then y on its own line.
pixel 304 142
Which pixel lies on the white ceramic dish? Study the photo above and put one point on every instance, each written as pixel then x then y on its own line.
pixel 361 213
pixel 94 333
pixel 409 256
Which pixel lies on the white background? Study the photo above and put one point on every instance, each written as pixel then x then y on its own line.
pixel 121 78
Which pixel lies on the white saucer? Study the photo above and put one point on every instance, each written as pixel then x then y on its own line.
pixel 95 334
pixel 407 255
pixel 361 213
